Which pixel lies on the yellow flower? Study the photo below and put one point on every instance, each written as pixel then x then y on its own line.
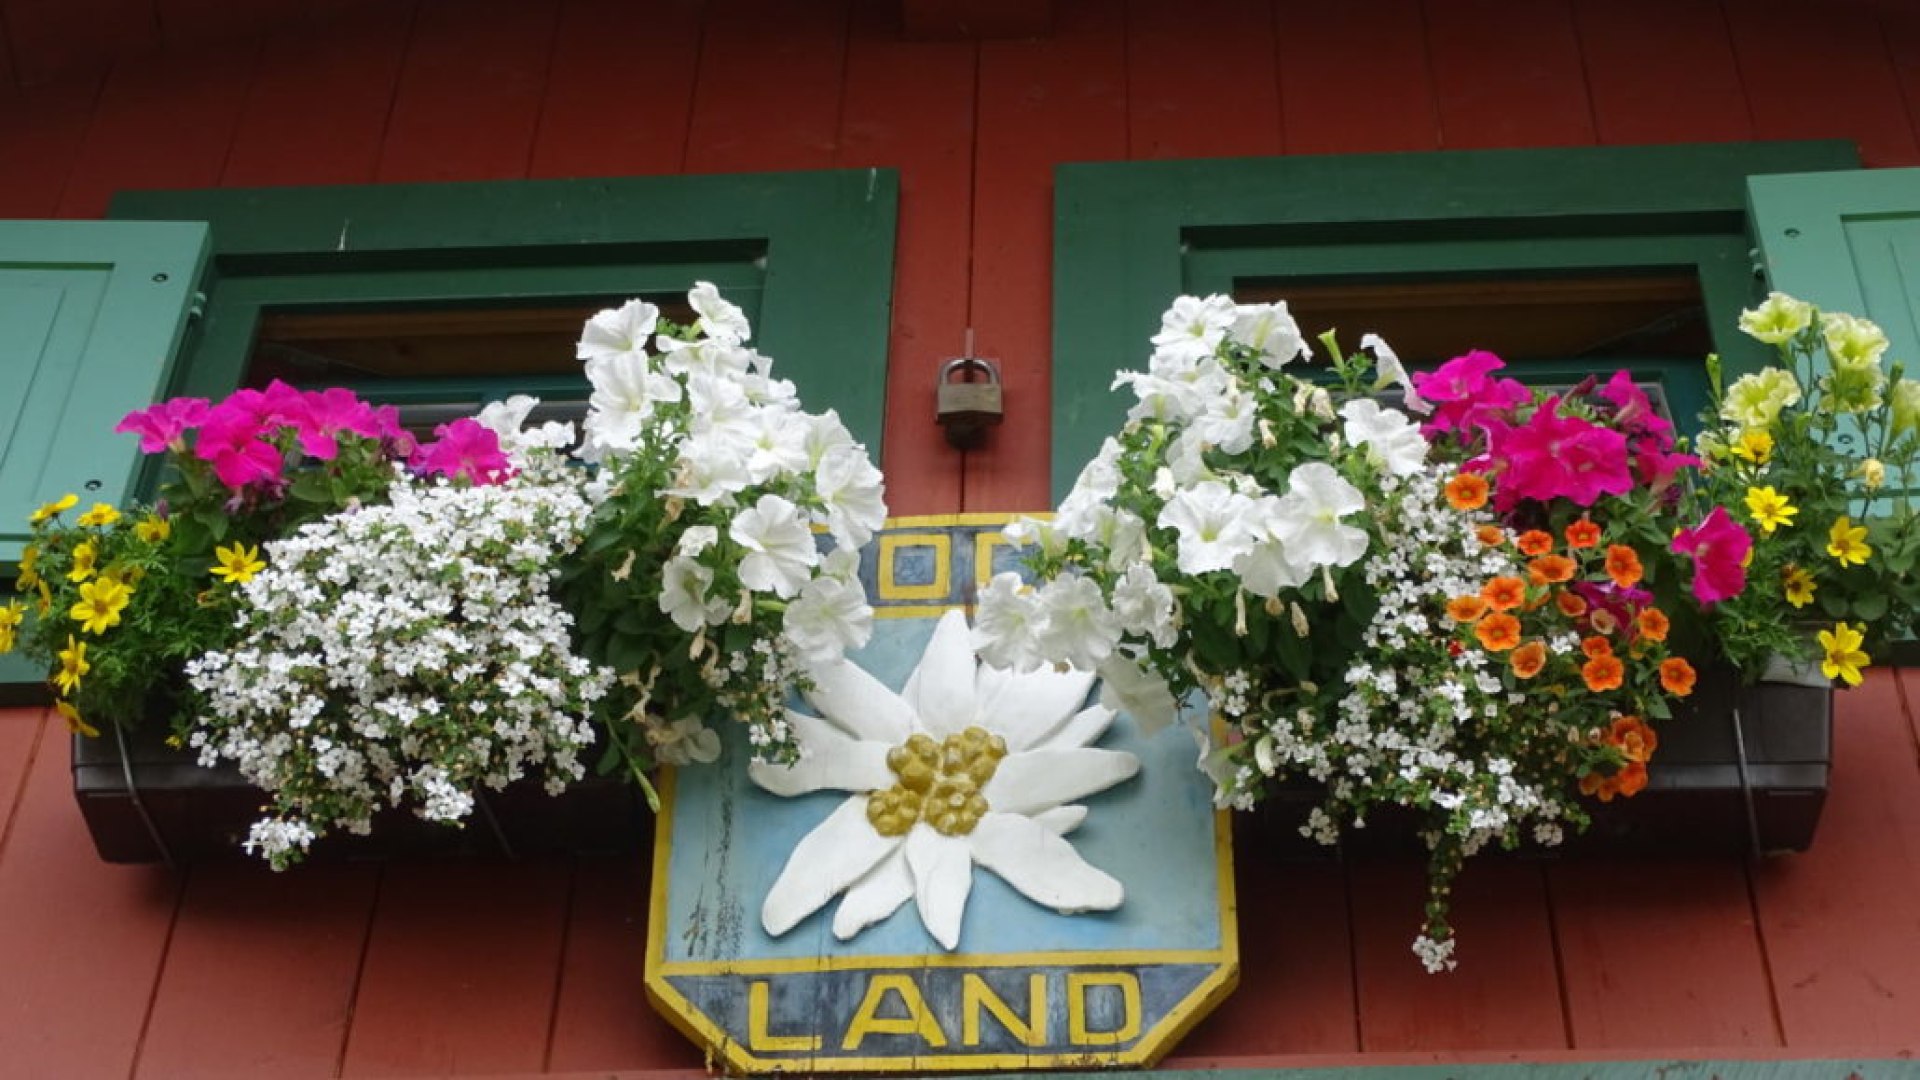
pixel 238 562
pixel 1848 542
pixel 1754 446
pixel 84 557
pixel 1843 659
pixel 10 618
pixel 1853 342
pixel 102 515
pixel 1873 473
pixel 72 716
pixel 73 664
pixel 1798 586
pixel 153 529
pixel 1777 320
pixel 64 502
pixel 1755 399
pixel 100 604
pixel 1770 509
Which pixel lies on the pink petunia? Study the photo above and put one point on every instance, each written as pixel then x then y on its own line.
pixel 326 414
pixel 160 426
pixel 233 439
pixel 1719 546
pixel 1464 396
pixel 466 448
pixel 1559 457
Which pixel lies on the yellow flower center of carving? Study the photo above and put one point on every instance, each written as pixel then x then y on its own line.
pixel 939 783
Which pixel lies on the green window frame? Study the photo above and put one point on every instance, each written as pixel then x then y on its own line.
pixel 1131 236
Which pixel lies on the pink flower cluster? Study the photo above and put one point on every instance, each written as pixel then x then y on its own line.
pixel 1719 547
pixel 247 438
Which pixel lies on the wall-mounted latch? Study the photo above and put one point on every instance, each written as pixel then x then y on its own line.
pixel 968 400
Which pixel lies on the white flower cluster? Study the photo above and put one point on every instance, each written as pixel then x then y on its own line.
pixel 1192 472
pixel 407 653
pixel 711 462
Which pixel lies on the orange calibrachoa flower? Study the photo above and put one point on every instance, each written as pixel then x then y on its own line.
pixel 1528 659
pixel 1550 569
pixel 1535 542
pixel 1603 673
pixel 1634 738
pixel 1596 646
pixel 1504 593
pixel 1570 604
pixel 1498 632
pixel 1631 780
pixel 1603 620
pixel 1677 676
pixel 1623 565
pixel 1467 491
pixel 1653 624
pixel 1466 608
pixel 1490 535
pixel 1583 534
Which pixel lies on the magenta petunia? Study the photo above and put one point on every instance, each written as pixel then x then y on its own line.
pixel 1464 396
pixel 466 448
pixel 1559 457
pixel 327 414
pixel 160 426
pixel 1719 547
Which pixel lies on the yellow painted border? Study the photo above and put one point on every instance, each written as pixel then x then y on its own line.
pixel 890 545
pixel 1179 1020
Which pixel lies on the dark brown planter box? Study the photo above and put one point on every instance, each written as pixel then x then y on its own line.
pixel 176 811
pixel 1740 770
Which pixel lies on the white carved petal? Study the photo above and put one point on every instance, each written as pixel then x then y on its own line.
pixel 942 877
pixel 1027 707
pixel 859 704
pixel 1061 820
pixel 833 762
pixel 875 896
pixel 1042 779
pixel 838 852
pixel 940 691
pixel 1083 729
pixel 1042 866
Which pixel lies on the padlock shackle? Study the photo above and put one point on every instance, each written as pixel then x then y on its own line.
pixel 970 363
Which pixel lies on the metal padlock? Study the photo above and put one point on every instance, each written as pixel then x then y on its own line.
pixel 966 409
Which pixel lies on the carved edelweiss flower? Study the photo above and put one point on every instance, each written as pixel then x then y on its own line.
pixel 968 765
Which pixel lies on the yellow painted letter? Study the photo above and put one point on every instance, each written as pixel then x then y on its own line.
pixel 757 1036
pixel 918 1021
pixel 974 993
pixel 1078 983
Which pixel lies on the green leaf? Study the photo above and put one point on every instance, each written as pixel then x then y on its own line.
pixel 1871 607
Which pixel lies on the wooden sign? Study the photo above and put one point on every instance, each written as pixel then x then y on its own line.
pixel 907 918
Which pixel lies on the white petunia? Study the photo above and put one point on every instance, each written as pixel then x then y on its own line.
pixel 1391 372
pixel 1126 686
pixel 1025 743
pixel 854 494
pixel 1269 330
pixel 686 595
pixel 1194 326
pixel 1392 441
pixel 718 318
pixel 1211 521
pixel 1006 627
pixel 1145 606
pixel 780 548
pixel 618 332
pixel 1076 626
pixel 829 617
pixel 1316 499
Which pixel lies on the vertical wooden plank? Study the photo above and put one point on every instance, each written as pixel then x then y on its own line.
pixel 909 105
pixel 190 23
pixel 461 969
pixel 770 83
pixel 603 1020
pixel 1621 925
pixel 41 129
pixel 54 39
pixel 1326 108
pixel 1043 102
pixel 1841 920
pixel 1226 106
pixel 1505 994
pixel 318 110
pixel 591 124
pixel 260 975
pixel 469 96
pixel 162 121
pixel 1507 73
pixel 20 739
pixel 1296 964
pixel 1821 76
pixel 1677 85
pixel 83 941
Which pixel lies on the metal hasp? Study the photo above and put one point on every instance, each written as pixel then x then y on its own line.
pixel 968 407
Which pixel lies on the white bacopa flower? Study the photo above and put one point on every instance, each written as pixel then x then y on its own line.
pixel 966 766
pixel 1316 499
pixel 780 548
pixel 617 332
pixel 1392 440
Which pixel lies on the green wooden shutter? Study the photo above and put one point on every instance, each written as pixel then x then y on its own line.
pixel 1847 242
pixel 92 312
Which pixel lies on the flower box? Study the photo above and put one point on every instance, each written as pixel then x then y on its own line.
pixel 158 804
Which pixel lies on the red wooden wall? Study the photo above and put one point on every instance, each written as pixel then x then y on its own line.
pixel 533 967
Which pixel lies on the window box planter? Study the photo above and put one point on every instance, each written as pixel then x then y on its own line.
pixel 1740 770
pixel 155 803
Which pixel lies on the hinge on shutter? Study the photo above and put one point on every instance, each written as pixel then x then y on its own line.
pixel 198 308
pixel 1759 264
